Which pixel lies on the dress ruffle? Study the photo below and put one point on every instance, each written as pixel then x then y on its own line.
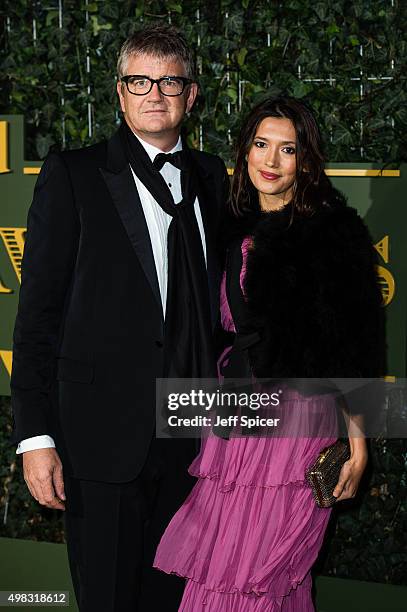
pixel 260 540
pixel 268 460
pixel 199 599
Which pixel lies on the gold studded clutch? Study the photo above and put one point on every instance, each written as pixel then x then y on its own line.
pixel 323 474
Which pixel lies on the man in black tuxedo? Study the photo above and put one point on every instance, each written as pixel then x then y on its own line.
pixel 119 287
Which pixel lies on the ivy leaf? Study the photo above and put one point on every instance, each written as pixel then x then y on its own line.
pixel 174 7
pixel 92 7
pixel 51 16
pixel 300 89
pixel 320 9
pixel 241 56
pixel 332 29
pixel 43 144
pixel 139 10
pixel 342 135
pixel 232 94
pixel 84 133
pixel 96 26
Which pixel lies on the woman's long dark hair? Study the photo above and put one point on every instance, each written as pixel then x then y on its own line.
pixel 311 184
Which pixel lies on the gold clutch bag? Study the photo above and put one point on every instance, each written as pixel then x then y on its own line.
pixel 323 474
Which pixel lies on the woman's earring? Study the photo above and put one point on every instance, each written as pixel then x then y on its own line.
pixel 245 157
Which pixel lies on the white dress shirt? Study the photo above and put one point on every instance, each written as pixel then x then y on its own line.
pixel 158 222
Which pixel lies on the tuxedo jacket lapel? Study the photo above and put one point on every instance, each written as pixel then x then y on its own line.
pixel 123 191
pixel 122 188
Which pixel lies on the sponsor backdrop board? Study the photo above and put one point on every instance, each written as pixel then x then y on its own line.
pixel 378 195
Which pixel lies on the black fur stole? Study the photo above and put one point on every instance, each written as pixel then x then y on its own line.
pixel 312 290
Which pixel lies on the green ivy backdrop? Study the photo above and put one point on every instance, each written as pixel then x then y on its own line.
pixel 347 58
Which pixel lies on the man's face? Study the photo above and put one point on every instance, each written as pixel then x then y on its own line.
pixel 154 116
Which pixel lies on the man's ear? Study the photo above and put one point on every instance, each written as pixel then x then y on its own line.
pixel 119 89
pixel 192 93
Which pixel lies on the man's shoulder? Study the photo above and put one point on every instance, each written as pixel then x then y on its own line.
pixel 89 156
pixel 212 164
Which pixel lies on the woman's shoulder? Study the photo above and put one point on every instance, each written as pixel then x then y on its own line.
pixel 335 217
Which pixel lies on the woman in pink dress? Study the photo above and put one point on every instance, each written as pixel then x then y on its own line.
pixel 300 296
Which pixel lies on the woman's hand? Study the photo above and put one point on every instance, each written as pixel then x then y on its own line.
pixel 349 479
pixel 352 470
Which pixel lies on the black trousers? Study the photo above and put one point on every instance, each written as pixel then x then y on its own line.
pixel 113 530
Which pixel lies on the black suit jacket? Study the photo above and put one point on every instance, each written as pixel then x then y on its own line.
pixel 88 339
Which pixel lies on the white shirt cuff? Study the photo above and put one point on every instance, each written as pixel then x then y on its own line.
pixel 35 443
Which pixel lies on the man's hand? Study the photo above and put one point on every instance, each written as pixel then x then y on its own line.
pixel 43 475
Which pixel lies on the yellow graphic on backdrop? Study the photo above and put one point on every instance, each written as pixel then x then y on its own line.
pixel 382 247
pixel 6 358
pixel 4 289
pixel 13 238
pixel 4 147
pixel 386 278
pixel 387 284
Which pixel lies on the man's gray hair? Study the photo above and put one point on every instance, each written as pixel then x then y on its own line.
pixel 158 40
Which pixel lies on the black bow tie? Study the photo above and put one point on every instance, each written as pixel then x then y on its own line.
pixel 177 159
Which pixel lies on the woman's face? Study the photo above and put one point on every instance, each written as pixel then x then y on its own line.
pixel 271 162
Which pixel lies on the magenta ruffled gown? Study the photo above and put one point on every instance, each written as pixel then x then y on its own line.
pixel 249 532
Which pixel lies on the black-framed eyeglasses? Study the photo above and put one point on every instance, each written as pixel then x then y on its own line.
pixel 140 85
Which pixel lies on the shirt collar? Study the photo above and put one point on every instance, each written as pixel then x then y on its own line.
pixel 153 151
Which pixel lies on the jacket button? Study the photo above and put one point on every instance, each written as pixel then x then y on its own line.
pixel 159 344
